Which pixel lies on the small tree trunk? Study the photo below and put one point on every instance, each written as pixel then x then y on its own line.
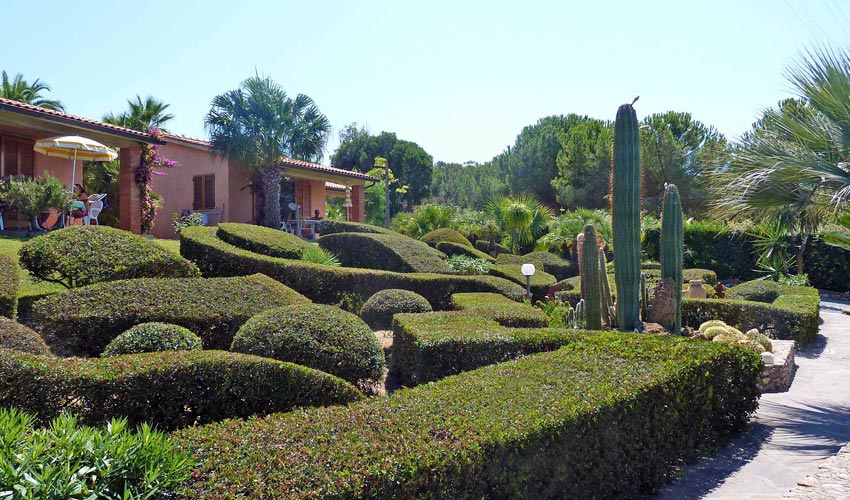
pixel 800 252
pixel 271 199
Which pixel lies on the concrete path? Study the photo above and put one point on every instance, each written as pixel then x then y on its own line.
pixel 793 432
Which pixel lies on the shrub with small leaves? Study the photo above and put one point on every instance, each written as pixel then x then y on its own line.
pixel 378 311
pixel 9 282
pixel 466 265
pixel 153 337
pixel 444 234
pixel 322 337
pixel 183 220
pixel 18 337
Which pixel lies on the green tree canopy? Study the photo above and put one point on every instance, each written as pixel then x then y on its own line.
pixel 19 89
pixel 142 115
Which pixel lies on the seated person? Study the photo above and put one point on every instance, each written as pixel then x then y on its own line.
pixel 316 215
pixel 80 205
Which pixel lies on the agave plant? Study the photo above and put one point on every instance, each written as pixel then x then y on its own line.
pixel 523 218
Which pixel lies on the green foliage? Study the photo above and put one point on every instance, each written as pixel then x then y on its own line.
pixel 443 234
pixel 625 209
pixel 425 219
pixel 322 337
pixel 390 252
pixel 18 337
pixel 573 421
pixel 450 248
pixel 32 197
pixel 263 240
pixel 379 310
pixel 467 185
pixel 591 280
pixel 491 247
pixel 564 229
pixel 338 226
pixel 182 221
pixel 466 265
pixel 10 281
pixel 85 320
pixel 563 315
pixel 540 281
pixel 142 115
pixel 522 218
pixel 318 255
pixel 331 285
pixel 672 248
pixel 152 337
pixel 21 90
pixel 546 261
pixel 756 291
pixel 168 389
pixel 584 166
pixel 502 310
pixel 83 255
pixel 66 460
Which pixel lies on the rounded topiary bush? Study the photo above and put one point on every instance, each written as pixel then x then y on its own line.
pixel 18 337
pixel 153 337
pixel 378 311
pixel 444 234
pixel 83 255
pixel 322 337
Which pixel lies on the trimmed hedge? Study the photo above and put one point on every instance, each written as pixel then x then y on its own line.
pixel 546 261
pixel 793 315
pixel 756 291
pixel 328 226
pixel 487 246
pixel 82 255
pixel 450 248
pixel 605 417
pixel 262 240
pixel 166 389
pixel 378 311
pixel 18 337
pixel 347 287
pixel 828 266
pixel 384 251
pixel 444 234
pixel 540 281
pixel 500 309
pixel 322 337
pixel 153 337
pixel 570 288
pixel 85 320
pixel 9 281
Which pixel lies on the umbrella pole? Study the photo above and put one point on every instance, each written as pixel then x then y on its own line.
pixel 73 179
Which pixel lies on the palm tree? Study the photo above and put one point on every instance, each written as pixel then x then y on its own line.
pixel 142 115
pixel 794 166
pixel 258 124
pixel 19 89
pixel 522 217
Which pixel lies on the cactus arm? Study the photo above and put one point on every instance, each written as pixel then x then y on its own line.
pixel 592 292
pixel 672 243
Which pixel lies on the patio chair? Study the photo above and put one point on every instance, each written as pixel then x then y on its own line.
pixel 211 217
pixel 95 207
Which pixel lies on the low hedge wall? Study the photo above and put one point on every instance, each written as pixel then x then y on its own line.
pixel 500 309
pixel 18 337
pixel 540 281
pixel 730 254
pixel 546 261
pixel 262 240
pixel 166 389
pixel 9 282
pixel 85 320
pixel 608 417
pixel 488 246
pixel 444 234
pixel 347 287
pixel 451 248
pixel 337 226
pixel 384 251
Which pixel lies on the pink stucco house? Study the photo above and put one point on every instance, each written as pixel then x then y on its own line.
pixel 202 181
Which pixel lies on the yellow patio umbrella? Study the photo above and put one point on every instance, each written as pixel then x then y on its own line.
pixel 76 147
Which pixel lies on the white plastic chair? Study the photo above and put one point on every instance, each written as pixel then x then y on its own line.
pixel 95 207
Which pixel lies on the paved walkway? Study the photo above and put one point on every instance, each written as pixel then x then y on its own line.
pixel 793 432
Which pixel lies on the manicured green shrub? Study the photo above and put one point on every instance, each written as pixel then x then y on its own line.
pixel 828 266
pixel 153 337
pixel 500 309
pixel 82 255
pixel 756 290
pixel 166 389
pixel 378 311
pixel 540 281
pixel 385 251
pixel 337 226
pixel 322 337
pixel 9 282
pixel 342 286
pixel 605 417
pixel 66 460
pixel 444 234
pixel 84 321
pixel 450 248
pixel 18 337
pixel 546 261
pixel 489 247
pixel 262 240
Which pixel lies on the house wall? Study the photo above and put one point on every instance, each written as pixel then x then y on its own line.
pixel 241 201
pixel 176 187
pixel 317 199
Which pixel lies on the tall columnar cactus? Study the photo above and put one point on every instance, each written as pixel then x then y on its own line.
pixel 672 244
pixel 625 213
pixel 590 268
pixel 580 254
pixel 644 298
pixel 608 314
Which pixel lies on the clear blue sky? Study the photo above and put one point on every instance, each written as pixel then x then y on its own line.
pixel 460 78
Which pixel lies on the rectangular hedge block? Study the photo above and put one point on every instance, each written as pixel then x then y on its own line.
pixel 606 417
pixel 500 309
pixel 9 283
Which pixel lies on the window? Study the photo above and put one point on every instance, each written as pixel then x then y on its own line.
pixel 204 188
pixel 16 157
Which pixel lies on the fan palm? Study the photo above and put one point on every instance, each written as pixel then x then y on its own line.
pixel 19 89
pixel 522 217
pixel 258 124
pixel 142 115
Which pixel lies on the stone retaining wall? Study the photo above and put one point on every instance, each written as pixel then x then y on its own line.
pixel 778 367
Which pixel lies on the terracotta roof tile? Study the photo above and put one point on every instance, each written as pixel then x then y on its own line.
pixel 333 186
pixel 306 165
pixel 187 139
pixel 11 105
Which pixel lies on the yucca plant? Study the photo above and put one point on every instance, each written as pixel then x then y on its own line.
pixel 318 255
pixel 523 218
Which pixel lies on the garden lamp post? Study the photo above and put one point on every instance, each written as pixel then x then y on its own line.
pixel 527 270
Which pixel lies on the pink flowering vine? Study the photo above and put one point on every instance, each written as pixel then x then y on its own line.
pixel 151 164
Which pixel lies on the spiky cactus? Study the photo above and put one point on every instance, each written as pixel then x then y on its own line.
pixel 580 254
pixel 590 268
pixel 672 244
pixel 607 304
pixel 625 212
pixel 644 298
